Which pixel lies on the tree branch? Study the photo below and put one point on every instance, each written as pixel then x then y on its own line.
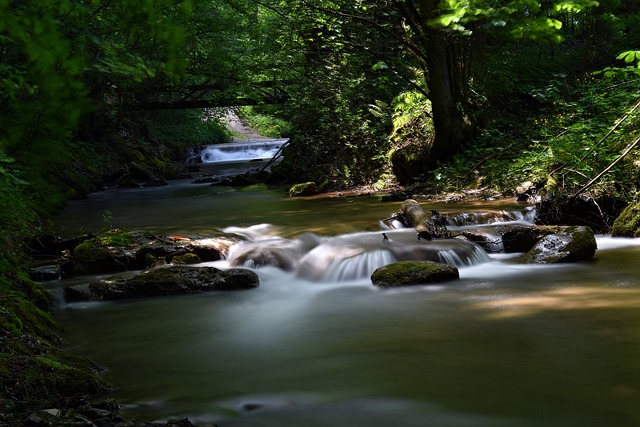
pixel 405 42
pixel 607 169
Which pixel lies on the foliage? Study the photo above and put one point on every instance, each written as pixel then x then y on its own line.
pixel 265 124
pixel 187 127
pixel 525 19
pixel 411 118
pixel 115 237
pixel 566 140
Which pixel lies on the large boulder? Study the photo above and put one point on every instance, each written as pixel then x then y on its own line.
pixel 411 273
pixel 165 281
pixel 522 238
pixel 568 244
pixel 628 223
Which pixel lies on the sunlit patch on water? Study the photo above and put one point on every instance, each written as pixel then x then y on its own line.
pixel 563 299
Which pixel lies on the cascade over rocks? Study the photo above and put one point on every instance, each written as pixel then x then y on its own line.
pixel 541 244
pixel 412 273
pixel 165 281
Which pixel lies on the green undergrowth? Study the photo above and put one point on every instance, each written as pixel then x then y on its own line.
pixel 264 123
pixel 559 142
pixel 35 372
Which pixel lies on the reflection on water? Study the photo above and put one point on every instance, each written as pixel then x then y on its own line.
pixel 506 345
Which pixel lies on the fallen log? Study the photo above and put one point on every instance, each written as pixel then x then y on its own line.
pixel 427 227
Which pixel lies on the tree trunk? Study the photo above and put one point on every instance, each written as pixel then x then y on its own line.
pixel 448 82
pixel 446 57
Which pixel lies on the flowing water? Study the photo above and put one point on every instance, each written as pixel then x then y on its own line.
pixel 318 345
pixel 237 158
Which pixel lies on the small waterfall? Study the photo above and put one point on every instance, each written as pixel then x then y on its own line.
pixel 491 217
pixel 326 265
pixel 358 267
pixel 240 151
pixel 237 158
pixel 464 259
pixel 347 257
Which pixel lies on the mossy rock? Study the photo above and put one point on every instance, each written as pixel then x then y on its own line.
pixel 91 256
pixel 188 258
pixel 166 281
pixel 522 238
pixel 569 244
pixel 628 223
pixel 303 189
pixel 411 273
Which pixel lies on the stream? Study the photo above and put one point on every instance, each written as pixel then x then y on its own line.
pixel 506 345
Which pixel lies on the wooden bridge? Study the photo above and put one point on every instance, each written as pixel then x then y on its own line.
pixel 219 94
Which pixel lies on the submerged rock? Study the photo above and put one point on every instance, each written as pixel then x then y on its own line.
pixel 165 281
pixel 568 244
pixel 410 273
pixel 260 256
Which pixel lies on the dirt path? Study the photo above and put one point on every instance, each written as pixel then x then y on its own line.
pixel 241 132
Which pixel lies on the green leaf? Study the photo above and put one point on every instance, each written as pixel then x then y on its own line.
pixel 629 56
pixel 380 66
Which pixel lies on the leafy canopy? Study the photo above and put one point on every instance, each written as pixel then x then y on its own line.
pixel 526 19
